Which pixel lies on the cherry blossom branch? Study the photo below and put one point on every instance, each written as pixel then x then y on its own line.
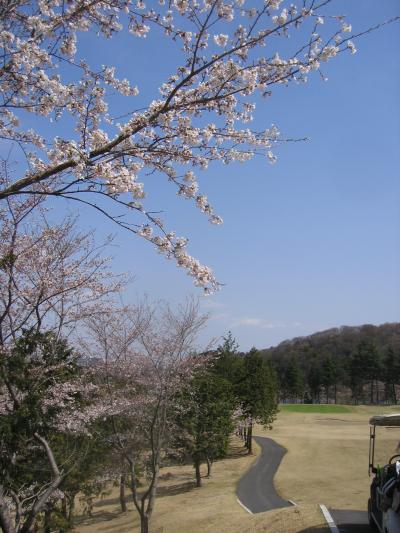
pixel 223 67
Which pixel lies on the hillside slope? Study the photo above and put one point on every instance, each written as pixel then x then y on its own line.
pixel 350 363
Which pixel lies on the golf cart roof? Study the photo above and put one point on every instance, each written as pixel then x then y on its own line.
pixel 386 420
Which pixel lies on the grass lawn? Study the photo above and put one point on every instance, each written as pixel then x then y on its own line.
pixel 327 458
pixel 326 462
pixel 183 508
pixel 314 408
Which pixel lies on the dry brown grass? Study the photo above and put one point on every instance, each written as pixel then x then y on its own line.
pixel 327 462
pixel 183 508
pixel 327 459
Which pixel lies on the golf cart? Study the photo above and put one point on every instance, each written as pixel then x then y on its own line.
pixel 384 501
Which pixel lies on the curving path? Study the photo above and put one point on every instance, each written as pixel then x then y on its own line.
pixel 256 489
pixel 257 493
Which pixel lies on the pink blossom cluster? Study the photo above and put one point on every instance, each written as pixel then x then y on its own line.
pixel 51 276
pixel 229 54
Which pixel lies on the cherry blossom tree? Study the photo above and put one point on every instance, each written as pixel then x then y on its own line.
pixel 51 276
pixel 147 361
pixel 41 387
pixel 230 52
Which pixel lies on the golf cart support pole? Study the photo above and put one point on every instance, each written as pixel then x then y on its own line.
pixel 371 449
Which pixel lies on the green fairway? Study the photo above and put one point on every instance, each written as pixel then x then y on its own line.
pixel 314 408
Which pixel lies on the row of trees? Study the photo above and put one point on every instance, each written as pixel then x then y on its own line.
pixel 365 375
pixel 92 391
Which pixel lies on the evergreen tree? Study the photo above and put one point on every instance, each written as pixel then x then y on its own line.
pixel 227 362
pixel 365 368
pixel 372 368
pixel 293 381
pixel 329 376
pixel 206 420
pixel 356 375
pixel 258 392
pixel 38 365
pixel 315 381
pixel 391 374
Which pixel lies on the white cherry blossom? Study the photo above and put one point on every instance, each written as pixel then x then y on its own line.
pixel 230 54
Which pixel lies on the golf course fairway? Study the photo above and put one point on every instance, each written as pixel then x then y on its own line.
pixel 326 462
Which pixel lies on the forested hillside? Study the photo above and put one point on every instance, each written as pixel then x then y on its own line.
pixel 346 364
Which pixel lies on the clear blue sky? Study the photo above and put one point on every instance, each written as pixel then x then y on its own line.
pixel 311 242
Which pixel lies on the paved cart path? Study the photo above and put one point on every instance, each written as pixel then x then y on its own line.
pixel 257 493
pixel 349 521
pixel 256 489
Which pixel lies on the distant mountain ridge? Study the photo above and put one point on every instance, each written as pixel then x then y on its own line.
pixel 349 364
pixel 339 341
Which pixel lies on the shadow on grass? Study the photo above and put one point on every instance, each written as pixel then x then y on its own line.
pixel 169 490
pixel 106 501
pixel 173 490
pixel 126 527
pixel 236 452
pixel 100 516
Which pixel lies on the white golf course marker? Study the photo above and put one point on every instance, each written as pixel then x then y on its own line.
pixel 328 517
pixel 244 507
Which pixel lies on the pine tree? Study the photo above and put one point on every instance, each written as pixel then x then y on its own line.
pixel 258 393
pixel 329 376
pixel 391 373
pixel 356 375
pixel 293 381
pixel 227 363
pixel 206 420
pixel 315 381
pixel 372 368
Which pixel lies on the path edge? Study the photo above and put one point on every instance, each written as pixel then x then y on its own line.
pixel 244 507
pixel 329 520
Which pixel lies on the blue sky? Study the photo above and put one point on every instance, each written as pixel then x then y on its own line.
pixel 311 242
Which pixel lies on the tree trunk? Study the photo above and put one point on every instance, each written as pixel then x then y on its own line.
pixel 133 487
pixel 153 490
pixel 144 523
pixel 209 465
pixel 250 439
pixel 64 509
pixel 335 392
pixel 47 517
pixel 245 435
pixel 122 499
pixel 198 475
pixel 394 394
pixel 42 500
pixel 5 517
pixel 372 392
pixel 71 510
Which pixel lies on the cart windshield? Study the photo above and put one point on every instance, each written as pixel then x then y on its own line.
pixel 385 439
